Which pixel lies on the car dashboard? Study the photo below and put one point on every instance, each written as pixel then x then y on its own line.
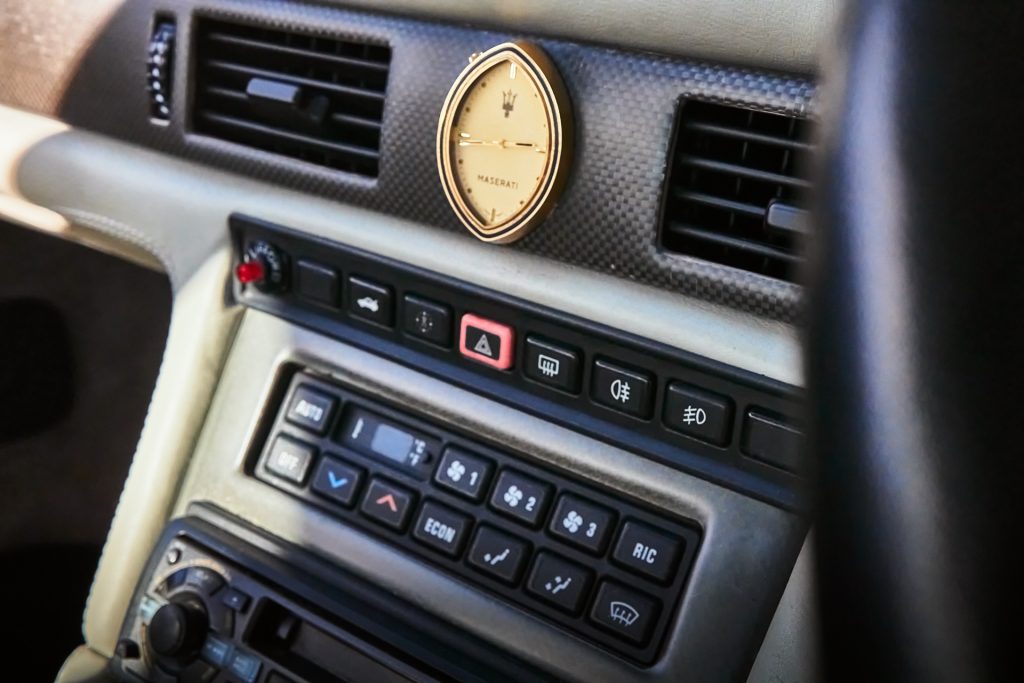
pixel 406 432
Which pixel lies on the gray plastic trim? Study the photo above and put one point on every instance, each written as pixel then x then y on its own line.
pixel 745 560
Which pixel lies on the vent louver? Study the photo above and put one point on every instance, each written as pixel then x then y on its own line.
pixel 736 189
pixel 312 98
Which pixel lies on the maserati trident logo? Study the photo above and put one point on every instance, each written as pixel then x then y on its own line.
pixel 508 102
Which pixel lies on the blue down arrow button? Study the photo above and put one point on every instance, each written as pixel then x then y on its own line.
pixel 338 481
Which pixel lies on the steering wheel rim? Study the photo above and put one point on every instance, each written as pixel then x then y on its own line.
pixel 914 341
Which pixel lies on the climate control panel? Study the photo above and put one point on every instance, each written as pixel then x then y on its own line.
pixel 606 568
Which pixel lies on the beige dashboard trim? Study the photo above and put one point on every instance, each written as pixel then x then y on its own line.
pixel 176 211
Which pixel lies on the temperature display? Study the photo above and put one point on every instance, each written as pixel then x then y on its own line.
pixel 379 437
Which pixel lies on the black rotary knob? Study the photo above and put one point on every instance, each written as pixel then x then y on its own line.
pixel 178 630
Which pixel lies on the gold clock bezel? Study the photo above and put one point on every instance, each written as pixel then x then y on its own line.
pixel 532 60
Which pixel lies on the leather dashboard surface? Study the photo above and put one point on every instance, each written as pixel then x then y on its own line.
pixel 624 107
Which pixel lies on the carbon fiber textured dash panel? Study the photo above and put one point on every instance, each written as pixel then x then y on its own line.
pixel 624 109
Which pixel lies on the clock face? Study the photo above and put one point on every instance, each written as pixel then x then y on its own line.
pixel 502 142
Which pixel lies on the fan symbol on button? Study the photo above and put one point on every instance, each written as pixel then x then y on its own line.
pixel 573 521
pixel 456 470
pixel 513 495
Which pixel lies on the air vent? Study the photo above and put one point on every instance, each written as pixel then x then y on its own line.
pixel 312 98
pixel 737 186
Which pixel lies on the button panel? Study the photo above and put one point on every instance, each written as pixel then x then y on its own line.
pixel 561 549
pixel 646 397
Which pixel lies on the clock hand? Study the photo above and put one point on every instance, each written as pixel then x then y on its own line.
pixel 469 141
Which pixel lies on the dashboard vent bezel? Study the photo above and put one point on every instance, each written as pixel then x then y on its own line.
pixel 308 96
pixel 736 188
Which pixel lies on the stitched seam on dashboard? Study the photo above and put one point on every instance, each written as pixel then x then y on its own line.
pixel 123 232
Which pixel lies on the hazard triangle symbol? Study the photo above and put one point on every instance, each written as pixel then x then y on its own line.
pixel 483 346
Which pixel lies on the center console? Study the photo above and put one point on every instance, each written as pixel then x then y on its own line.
pixel 424 480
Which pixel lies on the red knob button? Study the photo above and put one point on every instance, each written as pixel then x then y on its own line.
pixel 250 271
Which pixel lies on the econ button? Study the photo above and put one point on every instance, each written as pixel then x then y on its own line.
pixel 486 341
pixel 441 528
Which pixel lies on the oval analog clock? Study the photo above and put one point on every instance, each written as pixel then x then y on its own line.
pixel 504 142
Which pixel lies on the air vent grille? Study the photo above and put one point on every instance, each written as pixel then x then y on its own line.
pixel 312 98
pixel 737 187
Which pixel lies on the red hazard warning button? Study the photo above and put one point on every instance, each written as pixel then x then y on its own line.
pixel 486 341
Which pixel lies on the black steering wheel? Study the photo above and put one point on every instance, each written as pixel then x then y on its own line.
pixel 916 342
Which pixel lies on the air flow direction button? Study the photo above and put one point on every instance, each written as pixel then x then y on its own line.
pixel 559 582
pixel 498 555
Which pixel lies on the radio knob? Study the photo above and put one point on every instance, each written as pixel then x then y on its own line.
pixel 178 629
pixel 264 266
